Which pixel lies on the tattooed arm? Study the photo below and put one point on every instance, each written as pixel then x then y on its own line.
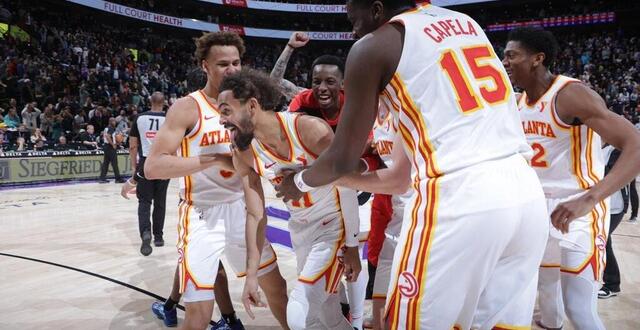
pixel 297 40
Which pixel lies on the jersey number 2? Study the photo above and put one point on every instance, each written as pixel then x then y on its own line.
pixel 538 159
pixel 468 101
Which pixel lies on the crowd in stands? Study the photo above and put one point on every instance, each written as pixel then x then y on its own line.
pixel 59 88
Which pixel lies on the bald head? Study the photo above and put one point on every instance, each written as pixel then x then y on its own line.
pixel 157 101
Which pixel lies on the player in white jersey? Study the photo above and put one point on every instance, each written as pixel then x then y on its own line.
pixel 563 120
pixel 323 223
pixel 384 133
pixel 471 239
pixel 212 208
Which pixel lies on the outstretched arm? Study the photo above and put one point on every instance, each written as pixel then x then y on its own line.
pixel 394 180
pixel 255 229
pixel 370 66
pixel 579 101
pixel 297 40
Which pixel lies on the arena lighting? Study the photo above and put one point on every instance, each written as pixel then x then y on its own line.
pixel 330 8
pixel 558 21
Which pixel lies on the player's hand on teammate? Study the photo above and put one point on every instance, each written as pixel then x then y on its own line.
pixel 127 189
pixel 568 211
pixel 224 161
pixel 298 39
pixel 251 296
pixel 287 189
pixel 352 264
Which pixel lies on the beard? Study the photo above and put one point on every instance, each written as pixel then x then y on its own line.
pixel 243 135
pixel 242 141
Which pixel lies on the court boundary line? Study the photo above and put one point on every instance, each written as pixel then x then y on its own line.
pixel 106 278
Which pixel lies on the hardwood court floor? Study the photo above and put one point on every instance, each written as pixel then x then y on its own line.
pixel 90 227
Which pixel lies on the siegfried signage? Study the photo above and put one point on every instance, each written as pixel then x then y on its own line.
pixel 39 169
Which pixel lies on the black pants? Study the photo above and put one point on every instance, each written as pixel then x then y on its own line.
pixel 372 276
pixel 634 199
pixel 110 156
pixel 611 270
pixel 148 192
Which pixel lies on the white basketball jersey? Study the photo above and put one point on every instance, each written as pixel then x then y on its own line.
pixel 384 132
pixel 450 92
pixel 316 203
pixel 568 159
pixel 213 185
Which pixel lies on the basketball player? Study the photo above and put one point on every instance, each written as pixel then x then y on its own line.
pixel 321 222
pixel 325 100
pixel 466 257
pixel 563 120
pixel 384 132
pixel 212 209
pixel 144 130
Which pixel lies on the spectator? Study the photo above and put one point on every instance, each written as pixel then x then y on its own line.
pixel 619 203
pixel 38 137
pixel 67 121
pixel 79 122
pixel 12 120
pixel 21 144
pixel 99 120
pixel 62 144
pixel 46 120
pixel 88 138
pixel 30 115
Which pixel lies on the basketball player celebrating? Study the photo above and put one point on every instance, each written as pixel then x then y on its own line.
pixel 325 100
pixel 322 221
pixel 212 209
pixel 466 258
pixel 384 132
pixel 563 120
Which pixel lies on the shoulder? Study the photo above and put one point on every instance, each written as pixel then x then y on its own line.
pixel 313 127
pixel 184 110
pixel 302 99
pixel 376 56
pixel 578 99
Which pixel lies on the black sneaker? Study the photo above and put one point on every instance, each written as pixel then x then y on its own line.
pixel 605 293
pixel 121 180
pixel 158 241
pixel 145 248
pixel 103 181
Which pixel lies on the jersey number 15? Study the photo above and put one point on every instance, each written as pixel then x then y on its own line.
pixel 467 97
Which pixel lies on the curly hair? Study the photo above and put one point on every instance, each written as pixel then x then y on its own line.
pixel 248 83
pixel 536 40
pixel 223 38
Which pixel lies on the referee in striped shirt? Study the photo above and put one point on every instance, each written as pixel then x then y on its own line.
pixel 143 131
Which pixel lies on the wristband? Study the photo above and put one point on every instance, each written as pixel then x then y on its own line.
pixel 302 186
pixel 132 183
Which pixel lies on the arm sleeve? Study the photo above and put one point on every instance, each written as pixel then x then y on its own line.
pixel 351 214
